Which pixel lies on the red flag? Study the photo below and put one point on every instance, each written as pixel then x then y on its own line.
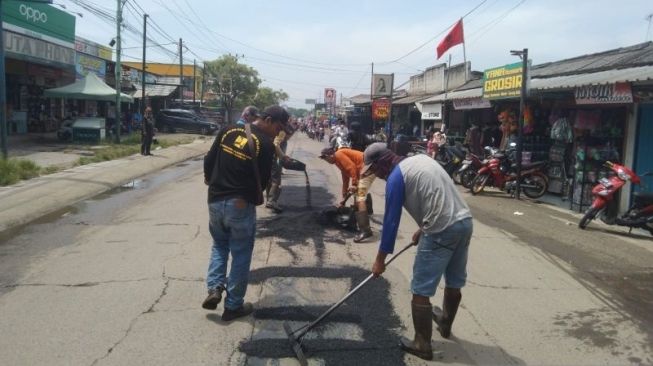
pixel 455 36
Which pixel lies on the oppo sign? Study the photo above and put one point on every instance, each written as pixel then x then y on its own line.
pixel 32 14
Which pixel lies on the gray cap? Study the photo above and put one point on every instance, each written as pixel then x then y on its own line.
pixel 374 152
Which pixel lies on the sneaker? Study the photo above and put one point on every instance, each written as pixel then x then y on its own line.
pixel 244 310
pixel 274 207
pixel 215 296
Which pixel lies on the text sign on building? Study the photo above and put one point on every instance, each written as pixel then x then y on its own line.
pixel 86 64
pixel 380 109
pixel 471 103
pixel 28 47
pixel 94 49
pixel 382 85
pixel 432 111
pixel 40 21
pixel 618 93
pixel 503 82
pixel 310 101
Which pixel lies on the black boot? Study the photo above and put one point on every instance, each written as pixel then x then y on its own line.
pixel 421 346
pixel 363 221
pixel 444 317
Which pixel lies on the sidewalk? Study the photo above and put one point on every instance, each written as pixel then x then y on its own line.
pixel 34 198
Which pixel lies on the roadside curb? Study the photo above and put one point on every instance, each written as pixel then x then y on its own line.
pixel 35 198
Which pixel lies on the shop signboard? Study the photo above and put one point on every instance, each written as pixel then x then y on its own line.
pixel 86 64
pixel 618 93
pixel 380 109
pixel 40 21
pixel 471 103
pixel 382 85
pixel 503 82
pixel 28 48
pixel 432 111
pixel 94 49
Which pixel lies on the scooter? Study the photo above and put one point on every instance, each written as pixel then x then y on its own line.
pixel 640 213
pixel 469 169
pixel 500 172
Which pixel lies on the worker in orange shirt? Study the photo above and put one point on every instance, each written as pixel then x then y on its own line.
pixel 350 163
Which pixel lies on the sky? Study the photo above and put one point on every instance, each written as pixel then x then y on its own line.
pixel 303 47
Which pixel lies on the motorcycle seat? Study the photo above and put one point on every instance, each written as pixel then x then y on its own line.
pixel 645 198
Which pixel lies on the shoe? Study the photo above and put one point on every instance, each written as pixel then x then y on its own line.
pixel 244 310
pixel 215 296
pixel 362 236
pixel 274 207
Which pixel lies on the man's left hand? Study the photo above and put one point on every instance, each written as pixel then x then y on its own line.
pixel 378 268
pixel 416 236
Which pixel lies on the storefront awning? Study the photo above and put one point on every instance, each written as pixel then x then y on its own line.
pixel 409 99
pixel 88 88
pixel 156 90
pixel 642 73
pixel 460 94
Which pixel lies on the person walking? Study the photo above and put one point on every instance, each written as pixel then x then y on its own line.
pixel 248 116
pixel 147 132
pixel 273 191
pixel 350 163
pixel 421 186
pixel 236 170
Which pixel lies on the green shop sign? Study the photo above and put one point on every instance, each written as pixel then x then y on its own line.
pixel 39 21
pixel 502 82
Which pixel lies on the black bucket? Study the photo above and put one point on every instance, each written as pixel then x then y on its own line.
pixel 294 164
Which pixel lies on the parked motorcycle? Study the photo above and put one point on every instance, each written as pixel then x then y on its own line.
pixel 451 158
pixel 469 169
pixel 499 171
pixel 640 213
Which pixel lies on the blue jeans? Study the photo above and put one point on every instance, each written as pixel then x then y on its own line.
pixel 232 224
pixel 442 253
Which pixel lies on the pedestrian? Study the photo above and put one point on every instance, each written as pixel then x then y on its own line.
pixel 236 170
pixel 421 186
pixel 358 139
pixel 273 191
pixel 248 116
pixel 350 163
pixel 147 132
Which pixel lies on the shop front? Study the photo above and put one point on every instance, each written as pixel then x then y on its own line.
pixel 92 58
pixel 39 47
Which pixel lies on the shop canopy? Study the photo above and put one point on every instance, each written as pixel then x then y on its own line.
pixel 88 88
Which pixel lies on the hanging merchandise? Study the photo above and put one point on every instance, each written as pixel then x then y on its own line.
pixel 529 122
pixel 561 130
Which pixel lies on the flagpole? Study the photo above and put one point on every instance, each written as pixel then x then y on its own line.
pixel 444 102
pixel 464 51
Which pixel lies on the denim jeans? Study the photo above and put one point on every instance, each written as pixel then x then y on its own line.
pixel 232 224
pixel 442 253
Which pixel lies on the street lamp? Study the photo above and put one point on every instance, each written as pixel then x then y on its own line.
pixel 3 87
pixel 523 54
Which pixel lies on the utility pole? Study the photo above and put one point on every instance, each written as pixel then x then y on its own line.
pixel 143 65
pixel 3 92
pixel 648 29
pixel 118 70
pixel 181 74
pixel 194 80
pixel 524 81
pixel 203 82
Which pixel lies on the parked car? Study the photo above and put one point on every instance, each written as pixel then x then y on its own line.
pixel 172 120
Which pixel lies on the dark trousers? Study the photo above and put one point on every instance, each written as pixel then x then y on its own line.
pixel 146 144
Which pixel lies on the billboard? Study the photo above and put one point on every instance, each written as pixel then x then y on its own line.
pixel 380 109
pixel 382 85
pixel 310 101
pixel 503 82
pixel 329 96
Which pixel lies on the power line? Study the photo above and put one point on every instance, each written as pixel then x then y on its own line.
pixel 494 22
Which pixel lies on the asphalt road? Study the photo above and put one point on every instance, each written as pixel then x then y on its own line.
pixel 119 279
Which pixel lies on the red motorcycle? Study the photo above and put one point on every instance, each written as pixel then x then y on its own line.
pixel 499 172
pixel 640 213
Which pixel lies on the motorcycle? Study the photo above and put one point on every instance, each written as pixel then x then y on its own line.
pixel 451 158
pixel 469 169
pixel 638 215
pixel 498 171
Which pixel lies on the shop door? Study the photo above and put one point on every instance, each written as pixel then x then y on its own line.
pixel 644 148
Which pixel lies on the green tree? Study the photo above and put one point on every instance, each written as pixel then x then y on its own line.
pixel 298 112
pixel 265 96
pixel 234 83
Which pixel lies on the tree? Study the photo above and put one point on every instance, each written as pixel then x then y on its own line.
pixel 265 96
pixel 297 112
pixel 232 82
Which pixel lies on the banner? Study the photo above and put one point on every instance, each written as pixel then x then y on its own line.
pixel 329 96
pixel 382 85
pixel 618 93
pixel 86 64
pixel 94 49
pixel 380 109
pixel 471 103
pixel 503 82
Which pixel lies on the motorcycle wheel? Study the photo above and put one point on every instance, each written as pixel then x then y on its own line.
pixel 538 181
pixel 478 183
pixel 467 177
pixel 589 216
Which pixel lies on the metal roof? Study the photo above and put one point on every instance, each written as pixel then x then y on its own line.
pixel 153 90
pixel 458 94
pixel 411 99
pixel 632 74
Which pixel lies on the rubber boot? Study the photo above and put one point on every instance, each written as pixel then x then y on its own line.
pixel 444 317
pixel 421 346
pixel 363 221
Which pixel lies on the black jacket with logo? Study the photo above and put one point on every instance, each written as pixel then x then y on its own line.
pixel 228 166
